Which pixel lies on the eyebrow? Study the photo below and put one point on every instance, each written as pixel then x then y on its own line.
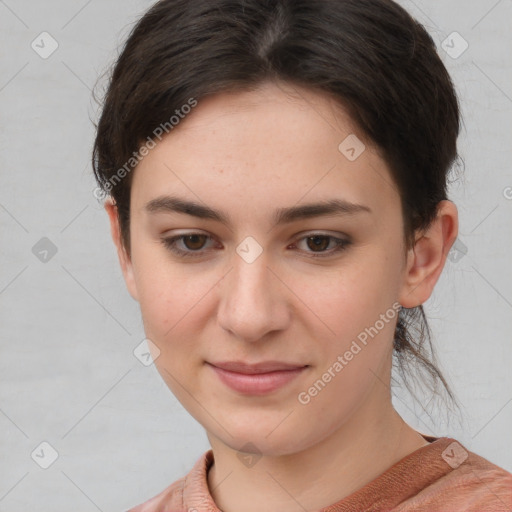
pixel 332 207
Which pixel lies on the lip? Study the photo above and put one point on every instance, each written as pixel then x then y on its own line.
pixel 256 379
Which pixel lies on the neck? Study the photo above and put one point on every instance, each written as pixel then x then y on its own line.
pixel 320 475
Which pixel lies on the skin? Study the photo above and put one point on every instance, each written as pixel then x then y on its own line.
pixel 246 154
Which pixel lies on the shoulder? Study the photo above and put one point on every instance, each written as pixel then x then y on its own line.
pixel 483 485
pixel 472 484
pixel 171 498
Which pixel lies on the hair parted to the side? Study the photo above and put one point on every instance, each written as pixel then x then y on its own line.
pixel 370 56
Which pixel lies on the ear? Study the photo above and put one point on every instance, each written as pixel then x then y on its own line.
pixel 425 261
pixel 124 260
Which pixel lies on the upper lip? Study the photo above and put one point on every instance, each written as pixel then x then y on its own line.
pixel 263 367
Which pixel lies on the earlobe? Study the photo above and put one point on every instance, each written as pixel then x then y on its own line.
pixel 124 260
pixel 426 260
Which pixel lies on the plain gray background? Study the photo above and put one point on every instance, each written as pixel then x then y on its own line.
pixel 69 327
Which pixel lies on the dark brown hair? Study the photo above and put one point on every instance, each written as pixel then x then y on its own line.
pixel 371 56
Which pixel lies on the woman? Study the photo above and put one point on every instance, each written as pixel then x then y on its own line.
pixel 277 181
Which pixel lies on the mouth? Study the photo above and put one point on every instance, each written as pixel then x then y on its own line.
pixel 256 379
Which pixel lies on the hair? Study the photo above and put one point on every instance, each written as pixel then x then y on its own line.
pixel 371 56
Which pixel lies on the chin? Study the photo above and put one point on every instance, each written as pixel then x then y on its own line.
pixel 263 438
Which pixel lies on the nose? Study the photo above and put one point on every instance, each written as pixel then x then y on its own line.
pixel 253 300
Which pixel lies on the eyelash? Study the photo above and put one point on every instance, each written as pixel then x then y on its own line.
pixel 170 244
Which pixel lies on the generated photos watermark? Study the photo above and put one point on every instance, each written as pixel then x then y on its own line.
pixel 305 397
pixel 100 193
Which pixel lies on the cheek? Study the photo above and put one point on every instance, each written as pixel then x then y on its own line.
pixel 168 291
pixel 172 303
pixel 356 312
pixel 352 297
pixel 172 310
pixel 357 339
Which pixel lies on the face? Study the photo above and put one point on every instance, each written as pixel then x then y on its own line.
pixel 302 303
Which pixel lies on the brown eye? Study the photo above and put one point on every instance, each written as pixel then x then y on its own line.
pixel 194 242
pixel 318 242
pixel 188 245
pixel 319 245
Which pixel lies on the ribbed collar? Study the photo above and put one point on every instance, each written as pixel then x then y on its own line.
pixel 410 475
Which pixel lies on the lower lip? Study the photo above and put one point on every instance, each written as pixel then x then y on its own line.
pixel 259 383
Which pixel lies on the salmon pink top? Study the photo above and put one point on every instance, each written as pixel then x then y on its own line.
pixel 441 476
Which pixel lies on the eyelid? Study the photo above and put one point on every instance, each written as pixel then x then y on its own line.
pixel 342 241
pixel 321 232
pixel 170 243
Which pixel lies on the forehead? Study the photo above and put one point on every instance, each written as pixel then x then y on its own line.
pixel 279 143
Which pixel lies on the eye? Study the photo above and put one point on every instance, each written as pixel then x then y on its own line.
pixel 320 241
pixel 192 244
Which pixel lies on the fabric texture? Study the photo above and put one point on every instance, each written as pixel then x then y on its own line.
pixel 441 476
